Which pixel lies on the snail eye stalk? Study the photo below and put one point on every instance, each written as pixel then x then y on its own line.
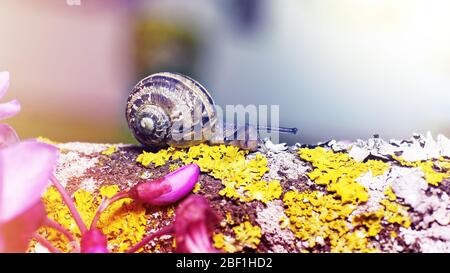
pixel 286 130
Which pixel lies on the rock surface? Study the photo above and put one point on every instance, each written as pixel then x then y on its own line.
pixel 374 195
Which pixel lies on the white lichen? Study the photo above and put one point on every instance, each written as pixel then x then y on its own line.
pixel 418 148
pixel 84 148
pixel 89 184
pixel 266 217
pixel 409 184
pixel 274 148
pixel 284 165
pixel 72 165
pixel 376 186
pixel 434 239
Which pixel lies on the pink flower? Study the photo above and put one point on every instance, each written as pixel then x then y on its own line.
pixel 194 224
pixel 7 134
pixel 163 191
pixel 25 170
pixel 167 189
pixel 11 108
pixel 94 241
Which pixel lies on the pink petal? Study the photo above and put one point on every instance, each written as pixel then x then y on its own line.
pixel 182 181
pixel 25 169
pixel 148 191
pixel 8 136
pixel 15 235
pixel 9 109
pixel 4 83
pixel 94 241
pixel 194 225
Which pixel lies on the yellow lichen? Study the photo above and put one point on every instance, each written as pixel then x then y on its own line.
pixel 56 210
pixel 371 221
pixel 246 235
pixel 390 194
pixel 229 218
pixel 429 167
pixel 443 164
pixel 224 242
pixel 395 213
pixel 338 171
pixel 264 191
pixel 110 150
pixel 316 217
pixel 46 140
pixel 241 178
pixel 352 241
pixel 174 167
pixel 124 222
pixel 158 159
pixel 170 211
pixel 283 222
pixel 197 187
pixel 432 177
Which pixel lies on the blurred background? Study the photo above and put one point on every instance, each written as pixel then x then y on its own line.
pixel 339 69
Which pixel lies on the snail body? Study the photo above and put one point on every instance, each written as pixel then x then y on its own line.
pixel 170 109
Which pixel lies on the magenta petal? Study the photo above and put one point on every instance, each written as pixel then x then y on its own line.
pixel 94 241
pixel 16 234
pixel 148 191
pixel 8 136
pixel 9 109
pixel 25 169
pixel 194 225
pixel 181 181
pixel 4 83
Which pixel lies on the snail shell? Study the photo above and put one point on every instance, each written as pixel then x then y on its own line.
pixel 170 109
pixel 173 109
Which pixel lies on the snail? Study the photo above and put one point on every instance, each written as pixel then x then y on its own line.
pixel 170 109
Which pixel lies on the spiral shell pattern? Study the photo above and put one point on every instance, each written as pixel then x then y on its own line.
pixel 170 109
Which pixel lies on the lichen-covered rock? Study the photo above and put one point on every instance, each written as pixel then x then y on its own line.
pixel 366 196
